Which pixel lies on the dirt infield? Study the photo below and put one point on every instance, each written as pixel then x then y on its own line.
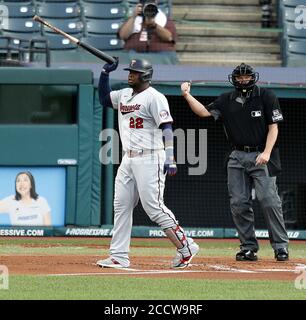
pixel 202 267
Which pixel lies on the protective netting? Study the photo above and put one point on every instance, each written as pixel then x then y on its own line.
pixel 202 201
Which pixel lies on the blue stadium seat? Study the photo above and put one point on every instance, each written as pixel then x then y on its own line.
pixel 57 42
pixel 104 1
pixel 289 14
pixel 59 10
pixel 104 42
pixel 296 60
pixel 105 26
pixel 291 30
pixel 22 25
pixel 7 45
pixel 160 2
pixel 297 46
pixel 70 26
pixel 292 3
pixel 23 36
pixel 104 10
pixel 15 1
pixel 4 41
pixel 20 9
pixel 55 0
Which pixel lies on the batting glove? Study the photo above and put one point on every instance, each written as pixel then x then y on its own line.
pixel 109 67
pixel 170 169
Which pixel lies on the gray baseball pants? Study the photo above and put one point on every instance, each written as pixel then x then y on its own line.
pixel 242 176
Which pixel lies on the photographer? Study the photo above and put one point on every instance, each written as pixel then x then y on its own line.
pixel 148 30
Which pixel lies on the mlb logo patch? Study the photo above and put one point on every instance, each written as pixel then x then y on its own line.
pixel 256 114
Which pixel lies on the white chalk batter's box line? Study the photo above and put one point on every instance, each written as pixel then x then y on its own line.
pixel 130 271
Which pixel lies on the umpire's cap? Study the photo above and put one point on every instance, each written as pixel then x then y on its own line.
pixel 142 66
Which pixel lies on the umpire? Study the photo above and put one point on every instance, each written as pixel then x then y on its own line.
pixel 250 117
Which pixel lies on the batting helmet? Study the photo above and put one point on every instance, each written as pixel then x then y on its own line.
pixel 142 66
pixel 243 70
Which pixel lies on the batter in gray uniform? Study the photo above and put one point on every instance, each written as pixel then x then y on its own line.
pixel 250 117
pixel 144 121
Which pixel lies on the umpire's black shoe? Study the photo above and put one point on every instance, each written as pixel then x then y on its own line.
pixel 246 255
pixel 281 254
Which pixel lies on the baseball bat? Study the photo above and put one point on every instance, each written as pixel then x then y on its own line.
pixel 86 46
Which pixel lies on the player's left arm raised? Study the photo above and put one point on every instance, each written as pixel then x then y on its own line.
pixel 104 88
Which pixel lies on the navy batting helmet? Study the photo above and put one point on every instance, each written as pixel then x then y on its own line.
pixel 243 70
pixel 142 66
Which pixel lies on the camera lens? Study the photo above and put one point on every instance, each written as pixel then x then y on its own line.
pixel 150 10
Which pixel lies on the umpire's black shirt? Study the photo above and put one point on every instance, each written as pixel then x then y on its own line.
pixel 246 120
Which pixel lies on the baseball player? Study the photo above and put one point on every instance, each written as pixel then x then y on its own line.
pixel 144 122
pixel 250 116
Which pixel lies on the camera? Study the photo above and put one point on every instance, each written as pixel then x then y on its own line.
pixel 149 9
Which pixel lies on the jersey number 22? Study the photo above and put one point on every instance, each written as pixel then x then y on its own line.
pixel 136 123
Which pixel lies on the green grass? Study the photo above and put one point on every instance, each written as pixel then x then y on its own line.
pixel 139 247
pixel 109 287
pixel 126 288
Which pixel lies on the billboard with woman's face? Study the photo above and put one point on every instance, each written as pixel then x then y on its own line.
pixel 32 196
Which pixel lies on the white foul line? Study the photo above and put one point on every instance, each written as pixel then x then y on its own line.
pixel 225 268
pixel 139 272
pixel 130 271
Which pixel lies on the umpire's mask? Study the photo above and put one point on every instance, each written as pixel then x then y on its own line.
pixel 243 70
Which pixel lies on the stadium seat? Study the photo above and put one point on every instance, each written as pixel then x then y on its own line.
pixel 20 9
pixel 15 1
pixel 104 10
pixel 59 10
pixel 295 60
pixel 160 2
pixel 292 3
pixel 291 30
pixel 4 42
pixel 57 42
pixel 55 1
pixel 104 42
pixel 70 26
pixel 106 26
pixel 10 45
pixel 297 46
pixel 7 46
pixel 103 1
pixel 22 25
pixel 289 14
